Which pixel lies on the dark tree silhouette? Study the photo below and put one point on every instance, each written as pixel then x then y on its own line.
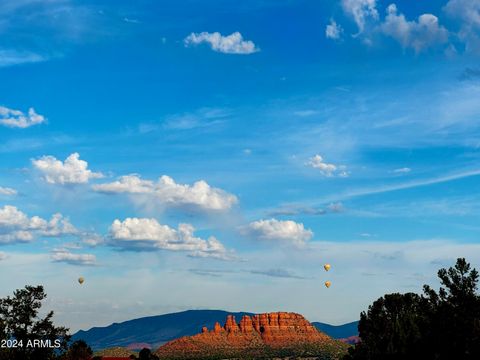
pixel 19 321
pixel 454 313
pixel 146 354
pixel 437 326
pixel 79 350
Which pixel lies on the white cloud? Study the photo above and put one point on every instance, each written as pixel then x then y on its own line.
pixel 326 169
pixel 419 35
pixel 201 118
pixel 71 171
pixel 167 192
pixel 360 11
pixel 65 256
pixel 287 231
pixel 333 30
pixel 92 239
pixel 10 216
pixel 404 170
pixel 149 234
pixel 16 226
pixel 468 12
pixel 7 191
pixel 14 57
pixel 58 226
pixel 230 44
pixel 17 119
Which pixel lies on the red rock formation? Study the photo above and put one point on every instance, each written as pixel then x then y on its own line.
pixel 252 335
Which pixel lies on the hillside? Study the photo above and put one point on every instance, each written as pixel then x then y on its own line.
pixel 265 336
pixel 157 330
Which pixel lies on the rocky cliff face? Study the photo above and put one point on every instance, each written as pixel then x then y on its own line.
pixel 272 333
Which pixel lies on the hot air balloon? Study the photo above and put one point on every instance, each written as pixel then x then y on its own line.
pixel 327 284
pixel 81 280
pixel 326 267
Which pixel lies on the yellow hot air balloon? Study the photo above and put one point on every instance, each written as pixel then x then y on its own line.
pixel 328 284
pixel 326 267
pixel 81 280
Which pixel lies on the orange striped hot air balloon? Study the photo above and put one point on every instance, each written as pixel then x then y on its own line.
pixel 328 284
pixel 327 267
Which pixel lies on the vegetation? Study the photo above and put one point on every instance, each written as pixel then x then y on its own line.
pixel 28 335
pixel 78 350
pixel 443 325
pixel 146 354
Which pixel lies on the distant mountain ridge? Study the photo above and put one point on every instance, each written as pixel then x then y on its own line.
pixel 157 330
pixel 262 336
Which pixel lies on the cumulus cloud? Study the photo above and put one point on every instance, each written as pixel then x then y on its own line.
pixel 7 191
pixel 18 119
pixel 326 169
pixel 466 10
pixel 65 256
pixel 468 13
pixel 71 171
pixel 418 35
pixel 16 226
pixel 149 234
pixel 287 231
pixel 360 11
pixel 333 30
pixel 230 44
pixel 167 192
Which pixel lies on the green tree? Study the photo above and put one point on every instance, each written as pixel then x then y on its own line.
pixel 19 321
pixel 79 350
pixel 454 314
pixel 437 326
pixel 391 328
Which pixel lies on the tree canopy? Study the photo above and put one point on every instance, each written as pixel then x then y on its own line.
pixel 435 325
pixel 29 336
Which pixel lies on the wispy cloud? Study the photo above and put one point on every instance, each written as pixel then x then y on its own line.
pixel 294 209
pixel 277 273
pixel 398 187
pixel 404 170
pixel 7 191
pixel 412 184
pixel 16 57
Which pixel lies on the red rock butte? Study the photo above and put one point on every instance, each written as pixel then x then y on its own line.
pixel 278 330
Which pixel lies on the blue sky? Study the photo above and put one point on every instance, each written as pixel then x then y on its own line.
pixel 210 154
